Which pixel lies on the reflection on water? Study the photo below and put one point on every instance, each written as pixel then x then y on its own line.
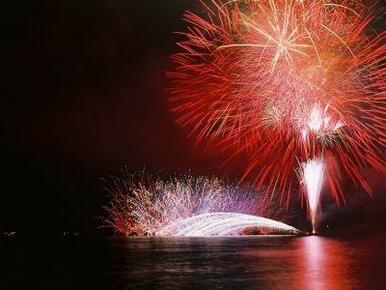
pixel 248 263
pixel 313 255
pixel 327 264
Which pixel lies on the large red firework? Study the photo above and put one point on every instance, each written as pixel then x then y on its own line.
pixel 286 81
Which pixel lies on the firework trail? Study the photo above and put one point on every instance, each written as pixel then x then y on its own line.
pixel 188 206
pixel 313 174
pixel 285 81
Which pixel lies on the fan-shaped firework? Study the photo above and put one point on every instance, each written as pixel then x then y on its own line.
pixel 188 206
pixel 286 81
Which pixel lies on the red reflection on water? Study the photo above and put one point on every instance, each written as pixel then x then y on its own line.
pixel 324 264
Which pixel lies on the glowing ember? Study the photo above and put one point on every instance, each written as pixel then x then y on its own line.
pixel 313 177
pixel 188 206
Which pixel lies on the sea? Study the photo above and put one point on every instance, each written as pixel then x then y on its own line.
pixel 251 262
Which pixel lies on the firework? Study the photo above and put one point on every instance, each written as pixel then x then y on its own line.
pixel 188 206
pixel 313 174
pixel 285 81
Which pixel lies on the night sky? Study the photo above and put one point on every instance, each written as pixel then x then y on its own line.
pixel 84 94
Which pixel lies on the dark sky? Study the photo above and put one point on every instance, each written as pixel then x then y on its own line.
pixel 83 95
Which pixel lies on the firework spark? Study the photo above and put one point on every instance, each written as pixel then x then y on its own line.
pixel 223 224
pixel 188 206
pixel 313 175
pixel 286 81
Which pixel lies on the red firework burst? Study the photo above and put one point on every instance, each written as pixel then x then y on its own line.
pixel 285 81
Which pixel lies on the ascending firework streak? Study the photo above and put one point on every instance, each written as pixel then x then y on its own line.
pixel 286 81
pixel 313 174
pixel 188 206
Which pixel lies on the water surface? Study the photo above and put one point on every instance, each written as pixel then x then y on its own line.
pixel 250 263
pixel 196 263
